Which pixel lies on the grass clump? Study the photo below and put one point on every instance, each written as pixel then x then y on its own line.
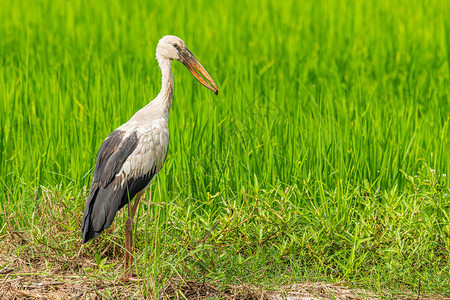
pixel 387 241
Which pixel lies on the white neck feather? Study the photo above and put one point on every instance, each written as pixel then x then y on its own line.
pixel 166 94
pixel 160 106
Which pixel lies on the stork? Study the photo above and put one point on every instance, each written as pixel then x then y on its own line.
pixel 133 154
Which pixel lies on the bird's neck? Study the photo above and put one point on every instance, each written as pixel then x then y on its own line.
pixel 166 94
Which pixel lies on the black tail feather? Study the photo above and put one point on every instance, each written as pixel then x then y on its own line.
pixel 101 208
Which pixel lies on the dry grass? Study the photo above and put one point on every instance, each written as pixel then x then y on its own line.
pixel 21 278
pixel 32 277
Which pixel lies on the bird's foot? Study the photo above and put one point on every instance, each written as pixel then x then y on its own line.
pixel 129 277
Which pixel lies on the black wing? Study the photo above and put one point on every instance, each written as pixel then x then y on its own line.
pixel 107 195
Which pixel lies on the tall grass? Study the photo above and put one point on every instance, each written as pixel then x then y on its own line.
pixel 335 103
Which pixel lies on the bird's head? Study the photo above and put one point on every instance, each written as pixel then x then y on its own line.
pixel 172 47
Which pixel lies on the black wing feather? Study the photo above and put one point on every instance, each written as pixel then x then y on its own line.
pixel 106 195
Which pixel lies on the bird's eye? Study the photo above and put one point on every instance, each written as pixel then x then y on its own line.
pixel 175 45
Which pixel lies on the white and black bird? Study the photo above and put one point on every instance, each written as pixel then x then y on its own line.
pixel 133 154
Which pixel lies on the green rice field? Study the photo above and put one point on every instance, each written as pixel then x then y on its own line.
pixel 325 156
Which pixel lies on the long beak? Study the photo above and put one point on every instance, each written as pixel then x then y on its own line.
pixel 189 60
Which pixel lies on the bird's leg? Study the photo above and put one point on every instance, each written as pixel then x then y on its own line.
pixel 136 203
pixel 128 246
pixel 129 240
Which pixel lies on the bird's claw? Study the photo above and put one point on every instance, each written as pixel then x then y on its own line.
pixel 130 277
